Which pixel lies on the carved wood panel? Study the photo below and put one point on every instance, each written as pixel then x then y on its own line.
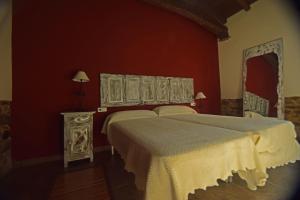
pixel 78 136
pixel 275 46
pixel 127 90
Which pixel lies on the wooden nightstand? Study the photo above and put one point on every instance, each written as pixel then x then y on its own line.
pixel 78 136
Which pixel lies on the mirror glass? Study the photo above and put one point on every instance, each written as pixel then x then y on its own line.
pixel 262 80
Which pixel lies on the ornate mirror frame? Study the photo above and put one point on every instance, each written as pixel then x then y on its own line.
pixel 275 46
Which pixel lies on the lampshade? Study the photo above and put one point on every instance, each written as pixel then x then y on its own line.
pixel 81 77
pixel 200 95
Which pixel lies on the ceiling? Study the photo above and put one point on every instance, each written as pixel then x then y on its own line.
pixel 211 14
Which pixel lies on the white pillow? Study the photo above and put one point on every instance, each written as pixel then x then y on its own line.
pixel 126 115
pixel 173 110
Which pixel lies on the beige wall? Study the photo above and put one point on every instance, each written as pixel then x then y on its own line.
pixel 265 21
pixel 5 50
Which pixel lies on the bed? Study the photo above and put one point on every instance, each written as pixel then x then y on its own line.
pixel 275 139
pixel 171 158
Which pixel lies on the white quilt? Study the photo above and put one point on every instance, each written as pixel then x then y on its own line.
pixel 171 158
pixel 275 139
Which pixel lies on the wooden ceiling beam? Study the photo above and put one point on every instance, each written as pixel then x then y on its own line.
pixel 191 12
pixel 244 4
pixel 207 10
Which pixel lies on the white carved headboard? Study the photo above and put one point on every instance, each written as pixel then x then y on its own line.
pixel 128 90
pixel 255 103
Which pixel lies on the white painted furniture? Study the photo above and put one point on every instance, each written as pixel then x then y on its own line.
pixel 78 136
pixel 276 47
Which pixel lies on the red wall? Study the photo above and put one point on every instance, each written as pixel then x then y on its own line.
pixel 53 39
pixel 262 79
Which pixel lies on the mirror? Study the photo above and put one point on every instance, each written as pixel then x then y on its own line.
pixel 262 80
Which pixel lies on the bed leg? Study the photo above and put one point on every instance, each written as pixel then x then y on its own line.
pixel 112 150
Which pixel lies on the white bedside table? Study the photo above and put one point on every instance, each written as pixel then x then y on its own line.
pixel 78 136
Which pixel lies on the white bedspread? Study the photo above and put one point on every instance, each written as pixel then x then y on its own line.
pixel 173 158
pixel 274 139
